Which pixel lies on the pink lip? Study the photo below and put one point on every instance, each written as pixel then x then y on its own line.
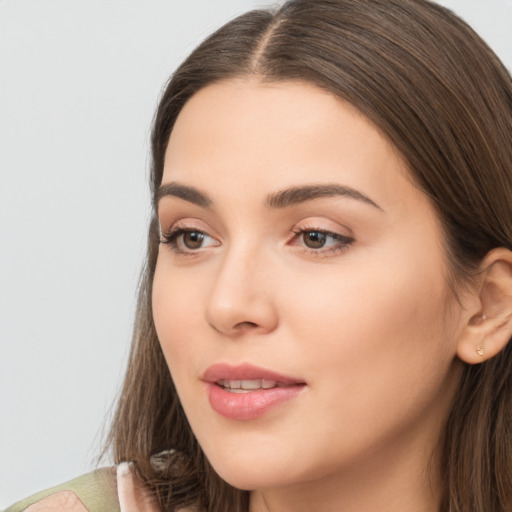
pixel 253 404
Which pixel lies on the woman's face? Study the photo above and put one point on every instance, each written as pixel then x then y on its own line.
pixel 300 296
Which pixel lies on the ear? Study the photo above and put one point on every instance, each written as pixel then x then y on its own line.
pixel 489 327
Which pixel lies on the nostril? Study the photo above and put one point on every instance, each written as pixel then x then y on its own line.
pixel 246 324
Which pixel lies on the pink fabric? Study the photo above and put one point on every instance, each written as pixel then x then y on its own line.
pixel 131 497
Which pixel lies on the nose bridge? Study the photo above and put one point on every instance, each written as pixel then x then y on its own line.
pixel 241 294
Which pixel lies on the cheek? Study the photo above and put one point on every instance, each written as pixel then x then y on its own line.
pixel 377 332
pixel 176 315
pixel 367 302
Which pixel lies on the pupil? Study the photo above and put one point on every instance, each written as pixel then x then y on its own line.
pixel 314 239
pixel 193 239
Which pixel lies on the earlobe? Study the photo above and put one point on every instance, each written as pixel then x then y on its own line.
pixel 490 328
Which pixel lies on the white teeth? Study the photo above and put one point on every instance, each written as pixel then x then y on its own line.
pixel 251 384
pixel 247 385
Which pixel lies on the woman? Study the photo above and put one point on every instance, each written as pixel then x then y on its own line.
pixel 325 312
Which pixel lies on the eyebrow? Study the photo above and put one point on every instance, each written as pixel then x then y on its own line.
pixel 190 194
pixel 281 199
pixel 296 195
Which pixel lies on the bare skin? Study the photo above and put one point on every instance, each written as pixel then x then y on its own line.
pixel 366 318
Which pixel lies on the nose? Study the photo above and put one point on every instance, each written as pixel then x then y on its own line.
pixel 241 299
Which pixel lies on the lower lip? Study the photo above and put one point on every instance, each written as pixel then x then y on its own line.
pixel 251 405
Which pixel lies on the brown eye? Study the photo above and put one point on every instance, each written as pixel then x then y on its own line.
pixel 193 239
pixel 314 239
pixel 183 240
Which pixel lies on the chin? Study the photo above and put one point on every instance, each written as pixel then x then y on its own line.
pixel 248 479
pixel 254 469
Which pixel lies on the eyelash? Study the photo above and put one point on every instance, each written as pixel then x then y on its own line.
pixel 341 244
pixel 171 237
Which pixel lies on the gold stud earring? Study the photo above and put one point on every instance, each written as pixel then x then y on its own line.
pixel 480 349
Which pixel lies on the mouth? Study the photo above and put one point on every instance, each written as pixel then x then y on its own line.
pixel 246 392
pixel 247 376
pixel 246 386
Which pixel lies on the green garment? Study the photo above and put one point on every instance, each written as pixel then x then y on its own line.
pixel 96 490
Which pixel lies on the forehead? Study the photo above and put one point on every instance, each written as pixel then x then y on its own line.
pixel 273 113
pixel 269 136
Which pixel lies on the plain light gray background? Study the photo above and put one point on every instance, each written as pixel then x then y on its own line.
pixel 79 80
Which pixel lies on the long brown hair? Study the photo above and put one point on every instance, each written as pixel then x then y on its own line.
pixel 442 97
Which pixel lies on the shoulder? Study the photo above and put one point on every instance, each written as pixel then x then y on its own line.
pixel 93 492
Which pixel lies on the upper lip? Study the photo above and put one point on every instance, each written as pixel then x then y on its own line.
pixel 224 371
